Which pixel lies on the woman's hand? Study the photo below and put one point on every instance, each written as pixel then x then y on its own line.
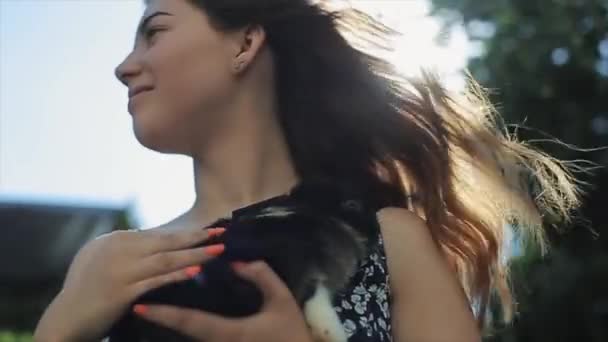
pixel 280 318
pixel 113 270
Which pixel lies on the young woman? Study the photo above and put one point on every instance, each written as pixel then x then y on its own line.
pixel 264 93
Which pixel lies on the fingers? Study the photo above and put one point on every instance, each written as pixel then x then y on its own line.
pixel 272 287
pixel 166 262
pixel 199 325
pixel 150 284
pixel 161 240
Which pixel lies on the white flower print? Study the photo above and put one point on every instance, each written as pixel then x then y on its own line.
pixel 360 290
pixel 363 322
pixel 381 295
pixel 366 300
pixel 360 308
pixel 381 323
pixel 350 327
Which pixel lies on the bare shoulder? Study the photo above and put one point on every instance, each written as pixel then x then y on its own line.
pixel 429 302
pixel 409 247
pixel 412 254
pixel 395 215
pixel 405 226
pixel 175 224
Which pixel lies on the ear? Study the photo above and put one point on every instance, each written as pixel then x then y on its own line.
pixel 248 43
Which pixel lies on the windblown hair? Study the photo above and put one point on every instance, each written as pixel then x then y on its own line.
pixel 348 114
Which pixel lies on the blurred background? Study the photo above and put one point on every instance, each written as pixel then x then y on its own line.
pixel 71 169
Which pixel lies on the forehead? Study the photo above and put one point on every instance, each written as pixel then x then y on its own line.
pixel 183 9
pixel 153 7
pixel 172 6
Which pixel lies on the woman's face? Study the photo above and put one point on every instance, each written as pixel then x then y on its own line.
pixel 187 66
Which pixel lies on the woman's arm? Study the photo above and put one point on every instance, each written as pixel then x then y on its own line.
pixel 428 301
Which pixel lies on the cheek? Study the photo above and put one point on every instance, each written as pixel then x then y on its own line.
pixel 205 86
pixel 192 87
pixel 196 75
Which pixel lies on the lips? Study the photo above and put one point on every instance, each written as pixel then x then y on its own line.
pixel 136 90
pixel 139 92
pixel 133 99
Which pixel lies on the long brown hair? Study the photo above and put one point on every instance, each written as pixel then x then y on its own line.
pixel 348 114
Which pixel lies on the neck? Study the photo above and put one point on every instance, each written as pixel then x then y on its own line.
pixel 251 164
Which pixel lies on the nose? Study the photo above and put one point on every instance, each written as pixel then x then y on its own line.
pixel 127 70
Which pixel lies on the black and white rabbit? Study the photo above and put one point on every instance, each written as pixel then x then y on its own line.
pixel 314 239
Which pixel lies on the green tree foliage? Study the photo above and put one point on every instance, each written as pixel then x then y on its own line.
pixel 548 62
pixel 9 336
pixel 546 65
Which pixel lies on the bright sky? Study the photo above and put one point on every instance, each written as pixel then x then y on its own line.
pixel 65 133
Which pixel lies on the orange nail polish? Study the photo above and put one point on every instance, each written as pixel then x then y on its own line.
pixel 215 231
pixel 192 271
pixel 215 250
pixel 140 309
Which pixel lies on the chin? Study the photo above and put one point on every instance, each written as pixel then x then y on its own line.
pixel 154 139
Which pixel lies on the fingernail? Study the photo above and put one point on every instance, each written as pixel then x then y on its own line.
pixel 215 231
pixel 192 271
pixel 238 265
pixel 215 250
pixel 140 309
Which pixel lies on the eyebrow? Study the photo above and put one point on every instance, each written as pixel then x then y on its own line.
pixel 146 20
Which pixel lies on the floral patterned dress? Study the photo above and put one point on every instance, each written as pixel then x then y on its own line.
pixel 364 305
